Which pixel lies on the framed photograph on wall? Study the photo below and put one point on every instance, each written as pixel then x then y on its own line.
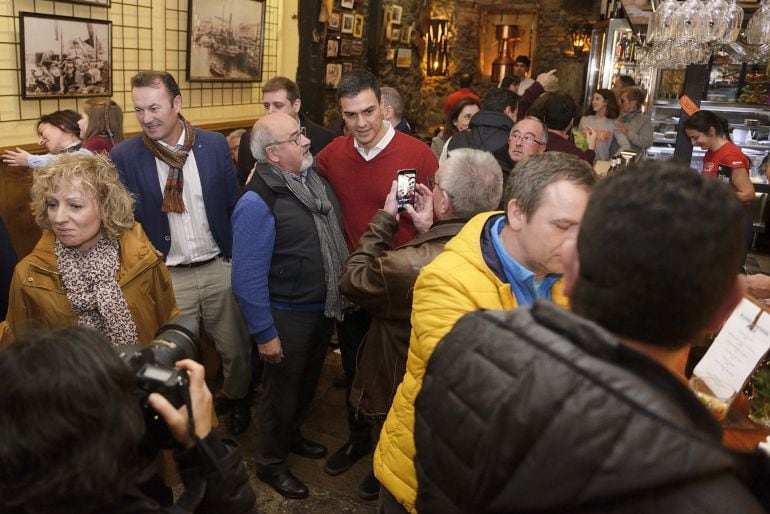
pixel 406 34
pixel 395 34
pixel 98 3
pixel 404 58
pixel 346 67
pixel 357 48
pixel 332 47
pixel 333 75
pixel 63 56
pixel 225 40
pixel 346 47
pixel 358 26
pixel 347 23
pixel 390 54
pixel 395 14
pixel 347 4
pixel 334 21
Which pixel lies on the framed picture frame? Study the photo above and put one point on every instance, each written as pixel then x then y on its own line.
pixel 390 55
pixel 346 67
pixel 347 23
pixel 347 4
pixel 404 58
pixel 225 40
pixel 395 14
pixel 358 26
pixel 346 47
pixel 333 75
pixel 332 47
pixel 96 3
pixel 357 48
pixel 65 57
pixel 334 21
pixel 395 34
pixel 406 34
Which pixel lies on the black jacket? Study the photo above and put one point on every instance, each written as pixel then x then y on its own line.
pixel 539 410
pixel 214 478
pixel 488 130
pixel 319 138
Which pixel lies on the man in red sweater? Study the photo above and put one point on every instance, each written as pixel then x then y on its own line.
pixel 360 168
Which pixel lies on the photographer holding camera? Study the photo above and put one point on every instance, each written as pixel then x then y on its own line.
pixel 73 432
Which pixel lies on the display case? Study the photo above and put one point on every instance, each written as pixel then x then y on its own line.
pixel 613 44
pixel 737 92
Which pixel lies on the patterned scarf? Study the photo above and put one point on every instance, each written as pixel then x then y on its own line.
pixel 93 292
pixel 175 159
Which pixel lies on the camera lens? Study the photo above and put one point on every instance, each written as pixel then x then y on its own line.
pixel 176 341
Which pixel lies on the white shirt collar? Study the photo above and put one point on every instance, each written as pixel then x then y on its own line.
pixel 380 146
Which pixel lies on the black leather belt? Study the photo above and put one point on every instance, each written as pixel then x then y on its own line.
pixel 196 264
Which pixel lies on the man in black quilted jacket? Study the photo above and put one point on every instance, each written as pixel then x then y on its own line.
pixel 541 409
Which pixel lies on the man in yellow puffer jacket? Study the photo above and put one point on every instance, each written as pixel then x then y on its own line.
pixel 497 261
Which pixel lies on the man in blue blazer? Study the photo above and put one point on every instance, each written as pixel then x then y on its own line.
pixel 185 187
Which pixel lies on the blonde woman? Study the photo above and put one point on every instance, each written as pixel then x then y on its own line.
pixel 93 265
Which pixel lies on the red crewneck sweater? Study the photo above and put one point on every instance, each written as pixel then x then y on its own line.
pixel 361 186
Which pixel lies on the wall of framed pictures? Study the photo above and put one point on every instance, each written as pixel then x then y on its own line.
pixel 110 40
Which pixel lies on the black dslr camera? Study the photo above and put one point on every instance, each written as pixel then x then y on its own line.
pixel 153 366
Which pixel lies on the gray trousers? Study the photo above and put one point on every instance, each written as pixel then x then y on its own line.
pixel 205 292
pixel 289 386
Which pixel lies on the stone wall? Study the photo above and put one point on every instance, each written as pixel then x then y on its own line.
pixel 424 96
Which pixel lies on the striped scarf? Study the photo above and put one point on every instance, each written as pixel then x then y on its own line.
pixel 175 159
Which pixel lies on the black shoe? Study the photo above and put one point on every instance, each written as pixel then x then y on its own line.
pixel 344 458
pixel 240 415
pixel 309 449
pixel 285 484
pixel 369 488
pixel 222 405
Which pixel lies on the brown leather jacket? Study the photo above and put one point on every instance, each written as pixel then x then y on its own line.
pixel 37 297
pixel 381 281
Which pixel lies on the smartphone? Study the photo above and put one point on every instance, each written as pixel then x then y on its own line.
pixel 405 183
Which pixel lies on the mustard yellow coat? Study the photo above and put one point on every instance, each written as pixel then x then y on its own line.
pixel 458 281
pixel 37 297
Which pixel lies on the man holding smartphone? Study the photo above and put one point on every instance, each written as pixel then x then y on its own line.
pixel 360 168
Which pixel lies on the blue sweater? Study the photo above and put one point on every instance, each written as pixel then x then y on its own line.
pixel 253 240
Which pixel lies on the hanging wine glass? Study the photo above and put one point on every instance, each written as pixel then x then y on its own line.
pixel 662 34
pixel 688 24
pixel 758 34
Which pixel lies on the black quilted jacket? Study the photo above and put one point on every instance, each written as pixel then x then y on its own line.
pixel 538 410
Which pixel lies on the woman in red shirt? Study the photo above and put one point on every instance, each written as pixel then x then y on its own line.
pixel 723 159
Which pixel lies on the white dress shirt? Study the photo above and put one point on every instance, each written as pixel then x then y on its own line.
pixel 191 239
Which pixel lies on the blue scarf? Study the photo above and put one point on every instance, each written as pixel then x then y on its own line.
pixel 525 288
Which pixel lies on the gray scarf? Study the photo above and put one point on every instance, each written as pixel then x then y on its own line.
pixel 334 250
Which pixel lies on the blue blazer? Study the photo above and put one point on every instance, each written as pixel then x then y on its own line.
pixel 137 169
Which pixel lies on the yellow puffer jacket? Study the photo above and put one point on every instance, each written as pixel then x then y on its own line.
pixel 458 281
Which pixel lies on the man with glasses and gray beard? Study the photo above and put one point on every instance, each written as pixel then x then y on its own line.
pixel 288 250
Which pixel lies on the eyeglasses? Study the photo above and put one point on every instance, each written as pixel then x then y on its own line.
pixel 296 139
pixel 527 139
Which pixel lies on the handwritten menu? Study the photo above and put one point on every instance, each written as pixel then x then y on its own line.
pixel 736 351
